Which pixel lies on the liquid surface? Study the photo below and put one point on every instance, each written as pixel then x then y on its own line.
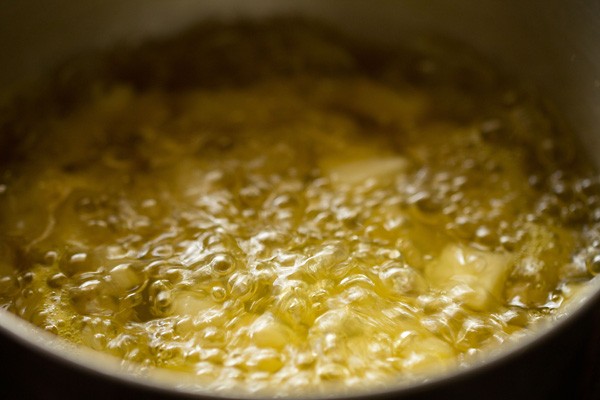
pixel 265 206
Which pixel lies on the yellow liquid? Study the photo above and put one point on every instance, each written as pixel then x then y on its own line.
pixel 303 222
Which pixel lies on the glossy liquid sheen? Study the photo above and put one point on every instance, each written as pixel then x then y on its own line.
pixel 270 206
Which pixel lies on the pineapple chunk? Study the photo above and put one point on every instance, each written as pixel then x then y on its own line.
pixel 356 172
pixel 474 277
pixel 267 332
pixel 189 303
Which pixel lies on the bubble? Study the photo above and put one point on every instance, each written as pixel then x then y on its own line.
pixel 57 280
pixel 242 286
pixel 344 321
pixel 126 278
pixel 402 281
pixel 155 269
pixel 88 298
pixel 76 262
pixel 50 257
pixel 361 280
pixel 162 301
pixel 91 286
pixel 131 300
pixel 593 263
pixel 218 293
pixel 357 296
pixel 484 235
pixel 222 264
pixel 507 242
pixel 327 261
pixel 27 278
pixel 117 252
pixel 161 297
pixel 163 251
pixel 473 334
pixel 425 203
pixel 176 275
pixel 294 307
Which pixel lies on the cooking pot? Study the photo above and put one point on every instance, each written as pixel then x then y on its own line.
pixel 551 44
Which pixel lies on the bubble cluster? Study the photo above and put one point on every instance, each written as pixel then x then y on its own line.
pixel 306 232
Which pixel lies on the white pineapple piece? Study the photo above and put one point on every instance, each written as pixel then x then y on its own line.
pixel 474 277
pixel 356 172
